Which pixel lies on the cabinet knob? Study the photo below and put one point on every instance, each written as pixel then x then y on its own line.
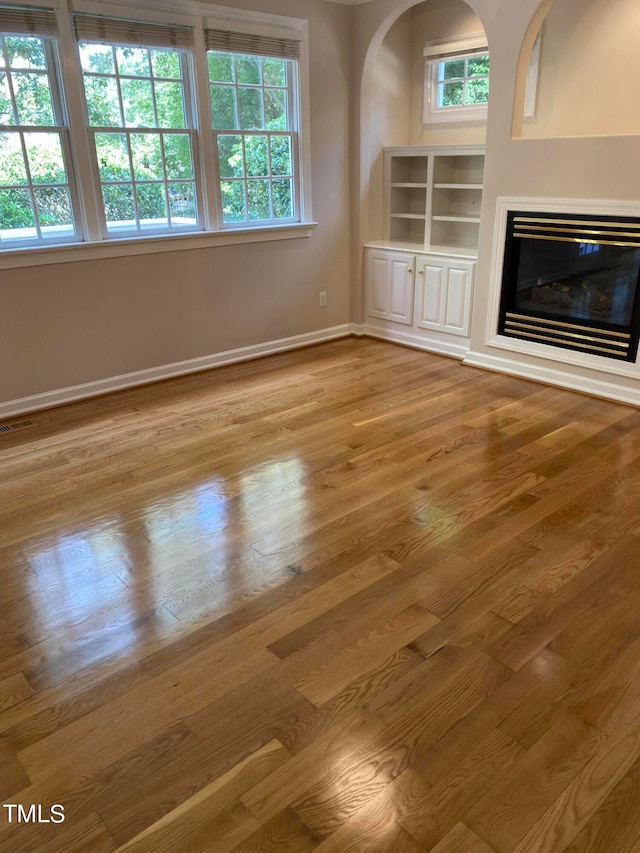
pixel 420 272
pixel 409 270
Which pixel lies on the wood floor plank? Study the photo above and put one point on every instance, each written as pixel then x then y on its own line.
pixel 111 727
pixel 354 597
pixel 208 817
pixel 589 788
pixel 327 680
pixel 14 690
pixel 615 825
pixel 507 813
pixel 376 827
pixel 349 705
pixel 407 736
pixel 462 840
pixel 457 792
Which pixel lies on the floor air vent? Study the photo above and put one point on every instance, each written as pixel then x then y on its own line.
pixel 15 426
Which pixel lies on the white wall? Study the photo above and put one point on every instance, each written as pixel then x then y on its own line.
pixel 390 111
pixel 80 322
pixel 598 167
pixel 74 323
pixel 589 72
pixel 432 20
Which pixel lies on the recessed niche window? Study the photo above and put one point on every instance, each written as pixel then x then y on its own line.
pixel 456 86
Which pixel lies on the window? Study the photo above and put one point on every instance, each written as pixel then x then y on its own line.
pixel 141 124
pixel 254 116
pixel 456 80
pixel 35 195
pixel 157 124
pixel 463 81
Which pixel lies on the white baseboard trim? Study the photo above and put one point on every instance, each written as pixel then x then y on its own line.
pixel 452 348
pixel 59 397
pixel 607 389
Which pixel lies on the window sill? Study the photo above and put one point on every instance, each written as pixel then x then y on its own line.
pixel 71 252
pixel 477 115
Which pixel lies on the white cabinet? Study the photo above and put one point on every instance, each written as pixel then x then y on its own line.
pixel 420 277
pixel 390 277
pixel 443 294
pixel 433 196
pixel 429 293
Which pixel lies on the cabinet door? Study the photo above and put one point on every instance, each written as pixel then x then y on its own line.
pixel 457 304
pixel 443 294
pixel 390 286
pixel 430 294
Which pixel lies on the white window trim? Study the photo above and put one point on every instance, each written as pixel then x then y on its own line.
pixel 434 53
pixel 66 253
pixel 211 231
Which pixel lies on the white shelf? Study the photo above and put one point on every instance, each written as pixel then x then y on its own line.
pixel 457 186
pixel 433 197
pixel 456 219
pixel 455 251
pixel 408 185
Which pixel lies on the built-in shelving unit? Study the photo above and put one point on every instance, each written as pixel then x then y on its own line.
pixel 407 179
pixel 419 279
pixel 433 198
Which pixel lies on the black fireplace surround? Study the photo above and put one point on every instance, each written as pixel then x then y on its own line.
pixel 572 281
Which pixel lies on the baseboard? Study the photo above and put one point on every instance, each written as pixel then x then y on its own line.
pixel 452 348
pixel 607 389
pixel 61 396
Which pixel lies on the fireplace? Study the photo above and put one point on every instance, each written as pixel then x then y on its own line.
pixel 572 281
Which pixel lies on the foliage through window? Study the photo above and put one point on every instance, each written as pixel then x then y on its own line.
pixel 253 117
pixel 456 83
pixel 35 199
pixel 114 142
pixel 141 122
pixel 463 81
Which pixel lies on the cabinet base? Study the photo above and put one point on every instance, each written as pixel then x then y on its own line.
pixel 454 349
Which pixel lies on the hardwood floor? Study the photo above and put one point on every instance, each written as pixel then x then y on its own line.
pixel 354 598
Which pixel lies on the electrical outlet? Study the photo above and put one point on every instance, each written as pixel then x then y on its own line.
pixel 323 298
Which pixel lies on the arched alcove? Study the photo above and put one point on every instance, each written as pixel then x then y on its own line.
pixel 588 73
pixel 393 89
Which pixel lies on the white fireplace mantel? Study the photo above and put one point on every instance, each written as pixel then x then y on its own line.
pixel 520 357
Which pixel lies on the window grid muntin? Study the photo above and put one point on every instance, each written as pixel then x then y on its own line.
pixel 273 178
pixel 134 182
pixel 441 81
pixel 183 80
pixel 165 224
pixel 288 88
pixel 57 128
pixel 82 191
pixel 234 86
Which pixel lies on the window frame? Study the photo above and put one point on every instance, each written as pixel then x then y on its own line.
pixel 291 133
pixel 91 241
pixel 190 129
pixel 435 54
pixel 62 129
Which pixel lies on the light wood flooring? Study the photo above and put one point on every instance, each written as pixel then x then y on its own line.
pixel 353 598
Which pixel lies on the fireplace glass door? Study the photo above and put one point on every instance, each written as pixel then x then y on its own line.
pixel 572 281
